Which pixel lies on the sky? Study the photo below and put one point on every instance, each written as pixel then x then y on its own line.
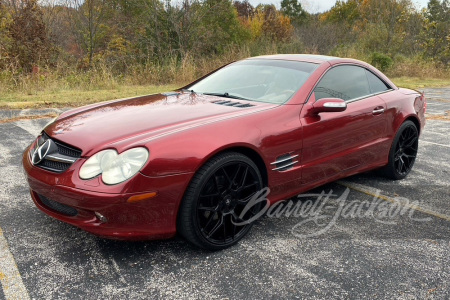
pixel 322 5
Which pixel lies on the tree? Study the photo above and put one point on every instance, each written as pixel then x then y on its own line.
pixel 271 24
pixel 60 30
pixel 5 40
pixel 436 31
pixel 221 28
pixel 294 10
pixel 385 26
pixel 15 5
pixel 29 36
pixel 343 12
pixel 324 37
pixel 244 9
pixel 437 11
pixel 208 27
pixel 89 19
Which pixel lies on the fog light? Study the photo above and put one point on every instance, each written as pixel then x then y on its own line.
pixel 101 217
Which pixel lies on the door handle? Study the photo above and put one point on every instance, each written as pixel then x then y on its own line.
pixel 378 111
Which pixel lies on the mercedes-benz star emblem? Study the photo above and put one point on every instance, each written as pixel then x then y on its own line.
pixel 41 151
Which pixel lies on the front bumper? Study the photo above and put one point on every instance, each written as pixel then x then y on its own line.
pixel 153 218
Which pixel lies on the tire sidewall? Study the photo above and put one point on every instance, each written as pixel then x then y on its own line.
pixel 195 188
pixel 391 170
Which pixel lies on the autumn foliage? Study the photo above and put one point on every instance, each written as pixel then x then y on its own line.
pixel 165 41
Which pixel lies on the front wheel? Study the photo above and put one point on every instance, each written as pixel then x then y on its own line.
pixel 403 151
pixel 212 214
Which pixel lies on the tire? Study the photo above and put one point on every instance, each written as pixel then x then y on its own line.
pixel 215 199
pixel 403 152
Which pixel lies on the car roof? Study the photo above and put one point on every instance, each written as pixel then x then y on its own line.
pixel 318 59
pixel 329 60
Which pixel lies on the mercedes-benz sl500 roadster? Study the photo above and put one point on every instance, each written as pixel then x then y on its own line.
pixel 192 160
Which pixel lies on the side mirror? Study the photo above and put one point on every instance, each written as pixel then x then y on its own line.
pixel 328 105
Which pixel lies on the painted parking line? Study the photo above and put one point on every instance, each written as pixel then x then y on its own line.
pixel 442 145
pixel 13 287
pixel 376 194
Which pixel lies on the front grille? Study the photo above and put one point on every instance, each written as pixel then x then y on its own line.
pixel 54 166
pixel 65 150
pixel 58 159
pixel 58 207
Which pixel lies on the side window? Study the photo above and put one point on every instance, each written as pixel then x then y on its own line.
pixel 376 84
pixel 345 82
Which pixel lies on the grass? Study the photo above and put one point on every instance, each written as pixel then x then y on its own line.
pixel 420 83
pixel 76 97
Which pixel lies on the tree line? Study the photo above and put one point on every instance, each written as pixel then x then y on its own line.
pixel 123 34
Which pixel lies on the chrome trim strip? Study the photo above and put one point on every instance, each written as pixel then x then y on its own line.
pixel 286 166
pixel 367 96
pixel 284 159
pixel 60 158
pixel 334 104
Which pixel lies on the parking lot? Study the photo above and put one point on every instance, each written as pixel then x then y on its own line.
pixel 402 254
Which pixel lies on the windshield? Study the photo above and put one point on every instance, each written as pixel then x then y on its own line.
pixel 263 80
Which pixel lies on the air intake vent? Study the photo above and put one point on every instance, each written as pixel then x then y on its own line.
pixel 284 162
pixel 58 207
pixel 233 103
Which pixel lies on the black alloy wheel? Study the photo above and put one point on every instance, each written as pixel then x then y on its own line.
pixel 212 215
pixel 403 151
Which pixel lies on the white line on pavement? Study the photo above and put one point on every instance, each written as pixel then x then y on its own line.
pixel 426 142
pixel 372 192
pixel 13 287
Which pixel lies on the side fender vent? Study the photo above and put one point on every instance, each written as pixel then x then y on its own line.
pixel 284 162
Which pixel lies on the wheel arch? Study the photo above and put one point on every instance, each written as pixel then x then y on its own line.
pixel 415 120
pixel 246 150
pixel 254 156
pixel 250 153
pixel 243 149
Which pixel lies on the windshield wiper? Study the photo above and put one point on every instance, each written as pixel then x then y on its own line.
pixel 225 95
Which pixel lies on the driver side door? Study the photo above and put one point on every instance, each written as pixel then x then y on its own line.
pixel 344 141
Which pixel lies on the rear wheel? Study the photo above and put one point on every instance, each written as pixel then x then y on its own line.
pixel 210 214
pixel 403 151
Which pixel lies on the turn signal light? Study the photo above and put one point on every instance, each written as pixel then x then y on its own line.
pixel 141 197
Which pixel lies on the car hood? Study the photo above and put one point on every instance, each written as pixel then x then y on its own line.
pixel 105 124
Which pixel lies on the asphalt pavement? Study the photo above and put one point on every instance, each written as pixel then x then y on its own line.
pixel 373 238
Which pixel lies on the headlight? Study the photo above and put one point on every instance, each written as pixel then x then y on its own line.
pixel 95 165
pixel 114 167
pixel 125 165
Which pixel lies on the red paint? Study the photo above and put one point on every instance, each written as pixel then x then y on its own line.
pixel 182 132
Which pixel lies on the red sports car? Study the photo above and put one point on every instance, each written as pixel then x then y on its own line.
pixel 189 161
